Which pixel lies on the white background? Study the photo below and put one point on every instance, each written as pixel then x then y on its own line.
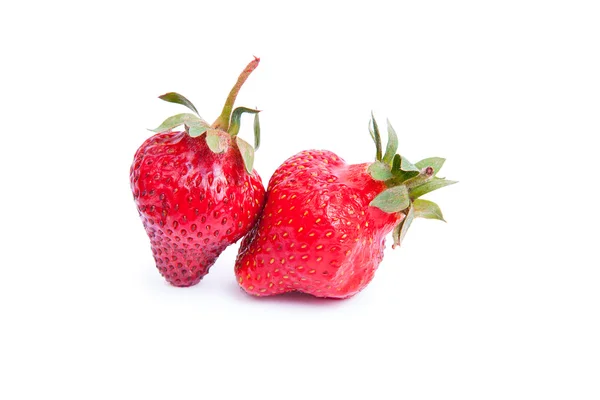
pixel 502 302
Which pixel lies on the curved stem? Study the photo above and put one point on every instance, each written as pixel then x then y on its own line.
pixel 223 121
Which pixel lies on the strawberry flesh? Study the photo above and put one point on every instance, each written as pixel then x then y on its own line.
pixel 317 233
pixel 193 202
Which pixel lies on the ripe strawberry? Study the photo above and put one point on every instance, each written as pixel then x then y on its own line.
pixel 323 227
pixel 195 190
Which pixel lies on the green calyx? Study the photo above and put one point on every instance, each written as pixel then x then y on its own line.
pixel 228 122
pixel 406 182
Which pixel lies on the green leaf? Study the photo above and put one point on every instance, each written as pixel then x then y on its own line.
pixel 214 141
pixel 401 229
pixel 173 97
pixel 396 164
pixel 195 131
pixel 380 171
pixel 180 119
pixel 256 132
pixel 236 116
pixel 392 200
pixel 406 165
pixel 396 234
pixel 403 169
pixel 247 152
pixel 434 162
pixel 392 144
pixel 427 209
pixel 377 138
pixel 434 184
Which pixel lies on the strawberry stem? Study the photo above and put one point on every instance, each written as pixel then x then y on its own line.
pixel 223 121
pixel 425 175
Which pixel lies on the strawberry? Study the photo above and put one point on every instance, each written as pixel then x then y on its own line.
pixel 195 189
pixel 324 224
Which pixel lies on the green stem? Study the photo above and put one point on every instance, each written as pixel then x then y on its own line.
pixel 424 176
pixel 223 121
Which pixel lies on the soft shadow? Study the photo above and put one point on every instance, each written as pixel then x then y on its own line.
pixel 286 298
pixel 228 287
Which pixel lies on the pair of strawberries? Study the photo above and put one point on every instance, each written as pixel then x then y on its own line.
pixel 319 228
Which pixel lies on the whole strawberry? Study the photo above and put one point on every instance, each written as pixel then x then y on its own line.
pixel 324 224
pixel 195 189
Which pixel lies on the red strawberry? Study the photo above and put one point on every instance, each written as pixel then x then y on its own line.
pixel 324 224
pixel 195 189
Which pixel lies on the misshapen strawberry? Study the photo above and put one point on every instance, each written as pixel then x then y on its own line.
pixel 196 190
pixel 324 224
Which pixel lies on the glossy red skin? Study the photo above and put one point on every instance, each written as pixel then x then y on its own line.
pixel 193 203
pixel 317 233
